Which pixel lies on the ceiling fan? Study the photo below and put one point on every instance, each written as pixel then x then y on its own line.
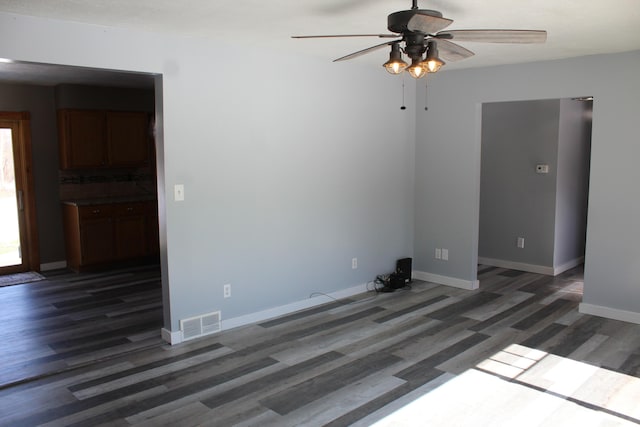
pixel 419 31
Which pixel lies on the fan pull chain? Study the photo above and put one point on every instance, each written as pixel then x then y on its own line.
pixel 403 106
pixel 426 87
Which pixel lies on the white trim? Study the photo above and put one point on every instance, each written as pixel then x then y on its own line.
pixel 271 313
pixel 568 266
pixel 446 280
pixel 260 316
pixel 172 338
pixel 53 265
pixel 531 268
pixel 610 313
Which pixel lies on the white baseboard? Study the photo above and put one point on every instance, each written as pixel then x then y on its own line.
pixel 512 265
pixel 568 266
pixel 446 280
pixel 610 313
pixel 175 337
pixel 531 268
pixel 53 265
pixel 271 313
pixel 172 337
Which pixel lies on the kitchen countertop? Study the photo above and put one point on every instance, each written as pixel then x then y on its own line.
pixel 108 200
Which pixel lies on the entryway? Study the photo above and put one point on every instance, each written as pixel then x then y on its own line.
pixel 534 182
pixel 18 239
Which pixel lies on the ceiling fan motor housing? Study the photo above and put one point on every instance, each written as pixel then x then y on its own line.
pixel 397 21
pixel 414 45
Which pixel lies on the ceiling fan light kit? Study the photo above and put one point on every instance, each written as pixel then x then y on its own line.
pixel 420 31
pixel 432 62
pixel 395 64
pixel 417 69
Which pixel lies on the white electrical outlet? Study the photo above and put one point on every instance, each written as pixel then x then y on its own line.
pixel 438 253
pixel 520 242
pixel 227 290
pixel 354 263
pixel 542 168
pixel 445 254
pixel 178 192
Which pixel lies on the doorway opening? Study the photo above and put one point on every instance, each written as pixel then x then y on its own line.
pixel 128 300
pixel 42 91
pixel 18 236
pixel 534 182
pixel 10 250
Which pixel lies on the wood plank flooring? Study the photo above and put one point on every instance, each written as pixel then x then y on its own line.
pixel 84 350
pixel 73 319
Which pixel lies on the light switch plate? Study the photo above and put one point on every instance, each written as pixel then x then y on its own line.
pixel 178 192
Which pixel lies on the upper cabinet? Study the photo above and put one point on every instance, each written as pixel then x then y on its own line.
pixel 103 139
pixel 127 138
pixel 81 135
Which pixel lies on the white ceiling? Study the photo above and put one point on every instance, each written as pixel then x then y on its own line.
pixel 575 27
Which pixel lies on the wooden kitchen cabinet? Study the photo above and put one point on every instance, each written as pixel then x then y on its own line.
pixel 96 235
pixel 127 139
pixel 88 235
pixel 91 139
pixel 81 139
pixel 130 230
pixel 100 235
pixel 153 229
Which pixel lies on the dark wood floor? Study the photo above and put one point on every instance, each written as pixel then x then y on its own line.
pixel 84 350
pixel 69 320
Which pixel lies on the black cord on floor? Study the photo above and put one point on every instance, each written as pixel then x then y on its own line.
pixel 378 286
pixel 350 301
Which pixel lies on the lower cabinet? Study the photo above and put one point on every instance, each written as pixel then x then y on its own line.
pixel 100 235
pixel 130 230
pixel 153 229
pixel 96 236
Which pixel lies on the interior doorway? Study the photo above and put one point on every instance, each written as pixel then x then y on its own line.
pixel 126 300
pixel 18 237
pixel 534 184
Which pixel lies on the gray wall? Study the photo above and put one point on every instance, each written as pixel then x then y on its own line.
pixel 448 165
pixel 572 191
pixel 40 102
pixel 284 174
pixel 287 177
pixel 515 201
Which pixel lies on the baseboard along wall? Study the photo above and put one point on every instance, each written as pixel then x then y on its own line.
pixel 469 285
pixel 531 268
pixel 610 313
pixel 48 266
pixel 175 337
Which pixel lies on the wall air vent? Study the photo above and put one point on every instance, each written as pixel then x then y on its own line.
pixel 199 326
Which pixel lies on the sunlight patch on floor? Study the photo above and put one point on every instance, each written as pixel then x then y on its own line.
pixel 526 387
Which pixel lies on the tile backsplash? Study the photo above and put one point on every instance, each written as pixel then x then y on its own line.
pixel 91 184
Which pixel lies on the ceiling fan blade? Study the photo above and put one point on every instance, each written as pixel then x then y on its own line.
pixel 495 36
pixel 328 36
pixel 452 52
pixel 427 24
pixel 364 51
